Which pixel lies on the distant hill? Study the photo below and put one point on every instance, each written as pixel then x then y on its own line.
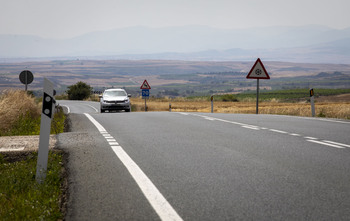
pixel 314 44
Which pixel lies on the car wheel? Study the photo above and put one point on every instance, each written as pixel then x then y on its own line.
pixel 127 110
pixel 102 111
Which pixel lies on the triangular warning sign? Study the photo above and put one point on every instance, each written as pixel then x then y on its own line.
pixel 258 71
pixel 145 85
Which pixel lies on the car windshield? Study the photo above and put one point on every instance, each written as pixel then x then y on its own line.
pixel 114 93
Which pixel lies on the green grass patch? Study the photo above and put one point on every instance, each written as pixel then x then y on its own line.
pixel 29 125
pixel 22 198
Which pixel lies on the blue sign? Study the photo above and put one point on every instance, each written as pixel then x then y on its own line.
pixel 145 92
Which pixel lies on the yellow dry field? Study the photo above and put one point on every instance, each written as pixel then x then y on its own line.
pixel 323 109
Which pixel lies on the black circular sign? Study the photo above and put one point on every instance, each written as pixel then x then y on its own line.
pixel 26 77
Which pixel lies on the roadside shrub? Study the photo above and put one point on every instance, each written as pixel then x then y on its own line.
pixel 228 98
pixel 79 91
pixel 16 106
pixel 20 115
pixel 58 122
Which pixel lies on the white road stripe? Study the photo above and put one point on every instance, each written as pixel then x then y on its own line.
pixel 158 202
pixel 278 131
pixel 336 143
pixel 68 109
pixel 113 143
pixel 327 144
pixel 311 138
pixel 251 127
pixel 162 207
pixel 97 124
pixel 93 107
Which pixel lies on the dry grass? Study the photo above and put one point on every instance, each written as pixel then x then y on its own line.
pixel 324 109
pixel 16 103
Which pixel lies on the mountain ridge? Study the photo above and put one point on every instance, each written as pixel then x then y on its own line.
pixel 304 43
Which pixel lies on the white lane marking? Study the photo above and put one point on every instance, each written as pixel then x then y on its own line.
pixel 222 120
pixel 251 127
pixel 327 144
pixel 113 143
pixel 183 113
pixel 311 138
pixel 68 109
pixel 316 118
pixel 336 143
pixel 11 149
pixel 92 107
pixel 158 202
pixel 162 207
pixel 97 124
pixel 278 131
pixel 329 120
pixel 231 122
pixel 110 139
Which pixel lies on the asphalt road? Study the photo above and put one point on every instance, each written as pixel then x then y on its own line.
pixel 206 166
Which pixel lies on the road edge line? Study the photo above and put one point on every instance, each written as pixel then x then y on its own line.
pixel 162 207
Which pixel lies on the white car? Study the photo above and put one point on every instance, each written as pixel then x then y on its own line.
pixel 115 99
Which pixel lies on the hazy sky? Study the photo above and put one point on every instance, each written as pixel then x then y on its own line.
pixel 70 18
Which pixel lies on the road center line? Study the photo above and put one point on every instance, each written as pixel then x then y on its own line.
pixel 311 138
pixel 327 144
pixel 162 207
pixel 278 131
pixel 336 143
pixel 253 127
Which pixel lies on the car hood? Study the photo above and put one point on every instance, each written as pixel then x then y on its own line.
pixel 118 98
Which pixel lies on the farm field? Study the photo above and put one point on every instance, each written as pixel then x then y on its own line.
pixel 174 78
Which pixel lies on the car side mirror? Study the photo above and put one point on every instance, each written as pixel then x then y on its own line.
pixel 100 96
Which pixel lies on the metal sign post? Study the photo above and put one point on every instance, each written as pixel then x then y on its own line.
pixel 212 103
pixel 258 72
pixel 312 101
pixel 145 87
pixel 45 127
pixel 257 96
